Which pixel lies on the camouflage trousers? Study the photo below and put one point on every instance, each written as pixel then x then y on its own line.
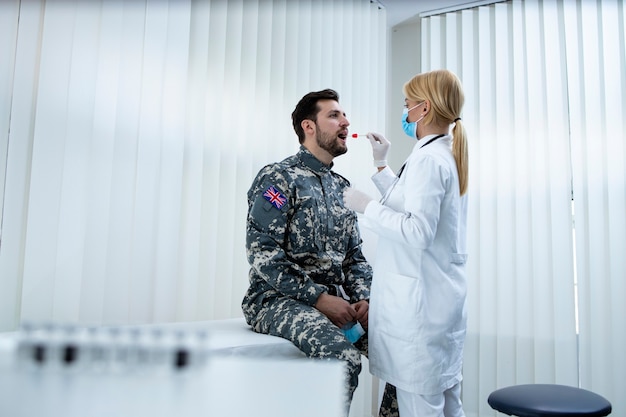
pixel 315 335
pixel 389 404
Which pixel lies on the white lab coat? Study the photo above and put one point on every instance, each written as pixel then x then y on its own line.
pixel 417 316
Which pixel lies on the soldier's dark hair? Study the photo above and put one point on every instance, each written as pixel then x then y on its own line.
pixel 307 108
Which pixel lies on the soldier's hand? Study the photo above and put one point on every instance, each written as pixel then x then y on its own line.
pixel 338 310
pixel 362 312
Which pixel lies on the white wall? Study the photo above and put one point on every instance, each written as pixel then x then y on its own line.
pixel 404 63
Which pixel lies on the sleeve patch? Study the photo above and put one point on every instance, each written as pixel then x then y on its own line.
pixel 275 197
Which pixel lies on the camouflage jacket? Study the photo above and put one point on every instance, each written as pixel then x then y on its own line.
pixel 301 240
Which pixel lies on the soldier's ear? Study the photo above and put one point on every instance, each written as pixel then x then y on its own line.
pixel 308 126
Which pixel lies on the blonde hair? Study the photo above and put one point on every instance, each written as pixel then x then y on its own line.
pixel 444 91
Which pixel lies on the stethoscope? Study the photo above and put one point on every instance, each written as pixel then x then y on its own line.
pixel 393 185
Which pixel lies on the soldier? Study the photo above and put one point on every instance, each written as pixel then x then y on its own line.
pixel 308 276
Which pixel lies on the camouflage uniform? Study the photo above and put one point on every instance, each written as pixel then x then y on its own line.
pixel 302 242
pixel 389 403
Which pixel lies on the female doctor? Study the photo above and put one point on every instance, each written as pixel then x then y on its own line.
pixel 417 315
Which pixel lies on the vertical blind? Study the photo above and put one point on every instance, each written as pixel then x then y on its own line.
pixel 132 130
pixel 544 109
pixel 8 33
pixel 596 49
pixel 135 131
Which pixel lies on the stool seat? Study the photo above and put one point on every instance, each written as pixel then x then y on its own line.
pixel 548 400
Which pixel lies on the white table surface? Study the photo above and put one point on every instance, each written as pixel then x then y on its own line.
pixel 225 386
pixel 246 374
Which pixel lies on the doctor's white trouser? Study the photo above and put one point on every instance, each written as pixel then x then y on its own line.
pixel 446 404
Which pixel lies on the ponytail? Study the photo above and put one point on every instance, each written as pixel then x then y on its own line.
pixel 459 151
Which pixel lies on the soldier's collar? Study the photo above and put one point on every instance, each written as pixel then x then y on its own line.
pixel 310 161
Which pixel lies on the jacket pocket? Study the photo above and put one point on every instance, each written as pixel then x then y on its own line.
pixel 458 258
pixel 304 228
pixel 400 301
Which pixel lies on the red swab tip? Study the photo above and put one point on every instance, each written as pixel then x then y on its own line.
pixel 355 135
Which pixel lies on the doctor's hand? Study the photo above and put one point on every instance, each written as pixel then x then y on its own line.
pixel 355 199
pixel 362 312
pixel 338 310
pixel 380 148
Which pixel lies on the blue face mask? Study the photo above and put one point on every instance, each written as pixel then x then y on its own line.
pixel 410 128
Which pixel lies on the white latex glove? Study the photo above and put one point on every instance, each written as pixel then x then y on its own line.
pixel 380 148
pixel 355 199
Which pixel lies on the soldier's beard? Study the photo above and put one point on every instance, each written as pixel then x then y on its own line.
pixel 330 143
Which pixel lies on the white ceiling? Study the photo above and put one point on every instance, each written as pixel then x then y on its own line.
pixel 401 10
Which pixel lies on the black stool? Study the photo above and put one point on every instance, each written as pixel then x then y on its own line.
pixel 548 400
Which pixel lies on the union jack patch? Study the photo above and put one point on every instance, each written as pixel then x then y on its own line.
pixel 275 197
